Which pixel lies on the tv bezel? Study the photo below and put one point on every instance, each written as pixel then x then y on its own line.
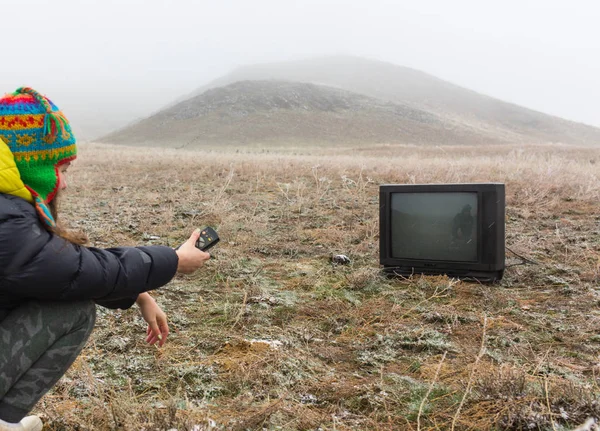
pixel 491 209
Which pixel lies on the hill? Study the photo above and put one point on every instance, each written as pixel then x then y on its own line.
pixel 383 94
pixel 420 90
pixel 249 112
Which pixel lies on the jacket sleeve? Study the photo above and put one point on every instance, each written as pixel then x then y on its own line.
pixel 44 266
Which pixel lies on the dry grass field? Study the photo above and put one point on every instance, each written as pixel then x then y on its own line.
pixel 271 335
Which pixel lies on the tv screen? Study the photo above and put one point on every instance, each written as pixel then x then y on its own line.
pixel 436 226
pixel 453 229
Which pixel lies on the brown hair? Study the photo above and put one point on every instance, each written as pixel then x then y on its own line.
pixel 75 237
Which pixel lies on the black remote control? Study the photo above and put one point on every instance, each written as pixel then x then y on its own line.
pixel 208 239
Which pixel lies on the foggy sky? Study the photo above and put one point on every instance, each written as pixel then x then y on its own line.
pixel 107 63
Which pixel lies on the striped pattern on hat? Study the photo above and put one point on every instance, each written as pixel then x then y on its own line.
pixel 40 138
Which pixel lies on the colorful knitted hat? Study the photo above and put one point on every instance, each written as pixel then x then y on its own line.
pixel 40 139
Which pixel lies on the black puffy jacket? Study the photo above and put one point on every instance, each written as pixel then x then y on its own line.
pixel 35 264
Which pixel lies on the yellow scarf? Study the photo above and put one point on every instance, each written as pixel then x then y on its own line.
pixel 10 179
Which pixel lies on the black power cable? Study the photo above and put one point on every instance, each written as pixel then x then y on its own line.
pixel 524 260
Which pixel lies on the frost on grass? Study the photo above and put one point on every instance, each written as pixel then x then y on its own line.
pixel 357 350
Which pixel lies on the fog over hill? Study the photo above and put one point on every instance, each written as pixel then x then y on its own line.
pixel 350 100
pixel 282 112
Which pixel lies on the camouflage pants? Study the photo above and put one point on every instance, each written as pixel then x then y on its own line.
pixel 38 343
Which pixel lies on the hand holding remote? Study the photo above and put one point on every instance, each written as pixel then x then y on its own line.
pixel 190 257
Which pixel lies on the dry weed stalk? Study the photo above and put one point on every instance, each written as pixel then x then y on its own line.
pixel 546 393
pixel 435 377
pixel 473 370
pixel 443 292
pixel 242 309
pixel 259 417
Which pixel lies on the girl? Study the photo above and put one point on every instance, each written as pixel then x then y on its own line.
pixel 49 282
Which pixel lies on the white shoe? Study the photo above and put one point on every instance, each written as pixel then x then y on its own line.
pixel 30 423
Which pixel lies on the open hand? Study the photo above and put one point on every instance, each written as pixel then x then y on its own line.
pixel 158 328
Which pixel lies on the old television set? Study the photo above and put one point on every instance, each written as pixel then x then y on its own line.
pixel 443 229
